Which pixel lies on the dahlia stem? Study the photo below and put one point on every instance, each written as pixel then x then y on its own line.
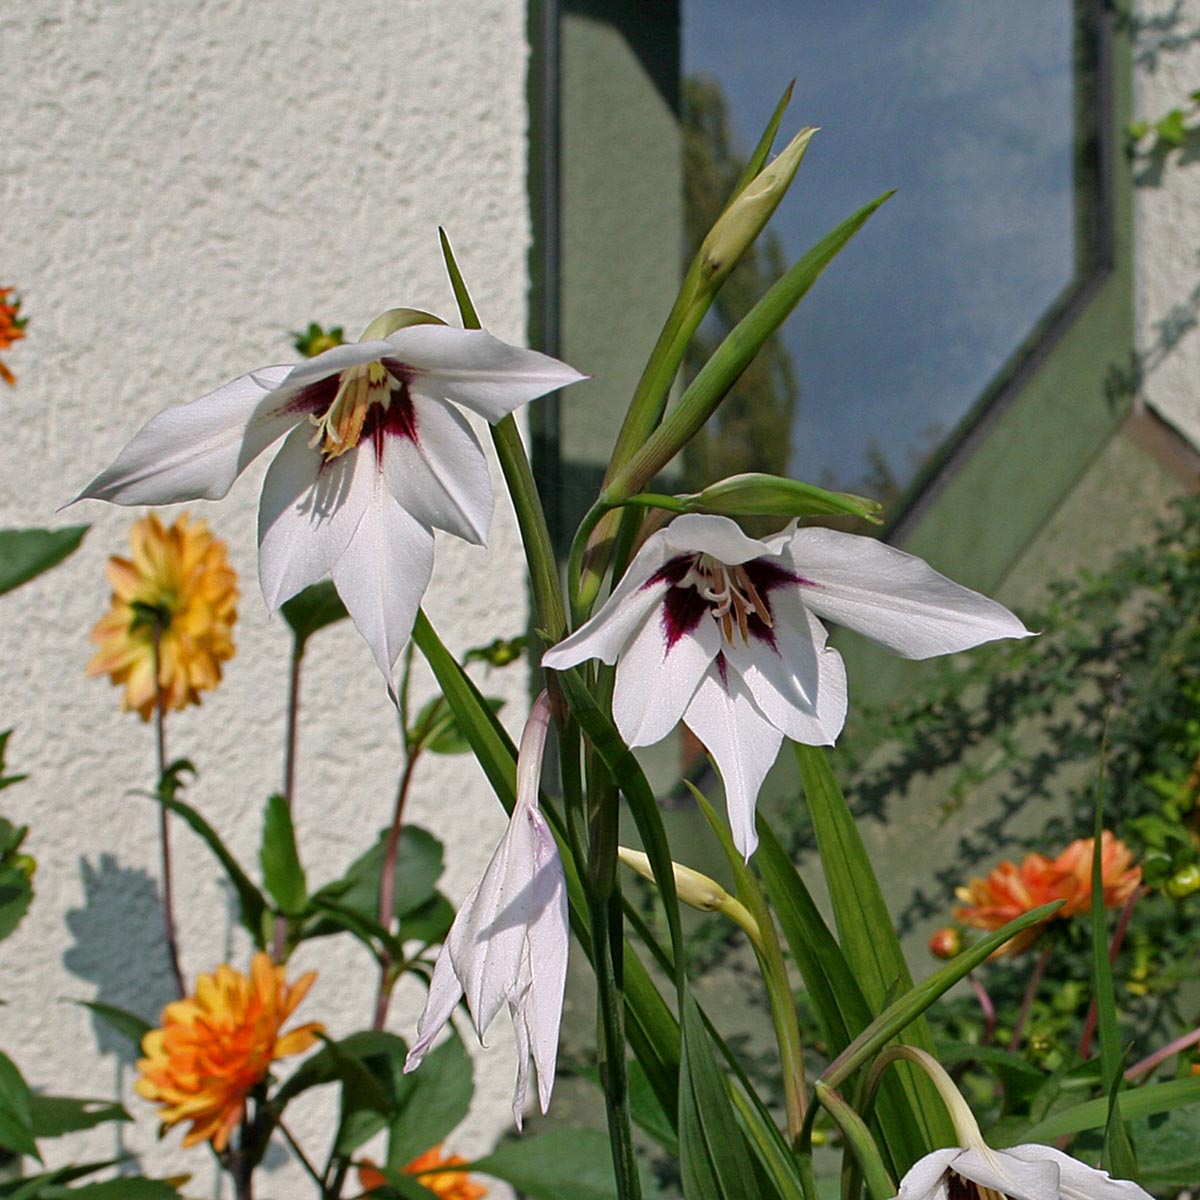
pixel 279 937
pixel 1161 1055
pixel 164 829
pixel 303 1158
pixel 387 890
pixel 1089 1024
pixel 989 1009
pixel 1035 979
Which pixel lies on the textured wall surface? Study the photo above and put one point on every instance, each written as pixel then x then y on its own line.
pixel 1167 200
pixel 181 184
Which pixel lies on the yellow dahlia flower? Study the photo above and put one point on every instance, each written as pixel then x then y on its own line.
pixel 215 1046
pixel 179 584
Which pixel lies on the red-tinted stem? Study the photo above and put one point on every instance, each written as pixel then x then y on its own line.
pixel 387 889
pixel 164 828
pixel 1035 979
pixel 1161 1055
pixel 989 1009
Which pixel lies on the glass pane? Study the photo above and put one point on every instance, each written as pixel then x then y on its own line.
pixel 968 110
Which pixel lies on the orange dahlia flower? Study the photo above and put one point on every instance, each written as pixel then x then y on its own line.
pixel 180 588
pixel 1121 878
pixel 12 328
pixel 1010 891
pixel 449 1185
pixel 216 1045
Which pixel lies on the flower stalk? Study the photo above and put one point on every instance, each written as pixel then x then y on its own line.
pixel 164 817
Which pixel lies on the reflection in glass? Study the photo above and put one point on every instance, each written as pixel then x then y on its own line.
pixel 966 109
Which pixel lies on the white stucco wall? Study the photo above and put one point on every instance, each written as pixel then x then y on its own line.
pixel 181 184
pixel 1167 216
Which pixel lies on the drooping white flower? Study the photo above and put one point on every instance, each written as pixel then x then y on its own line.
pixel 509 940
pixel 1030 1172
pixel 379 454
pixel 721 631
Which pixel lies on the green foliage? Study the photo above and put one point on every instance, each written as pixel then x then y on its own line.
pixel 27 553
pixel 283 876
pixel 311 610
pixel 712 1150
pixel 16 1111
pixel 16 868
pixel 418 868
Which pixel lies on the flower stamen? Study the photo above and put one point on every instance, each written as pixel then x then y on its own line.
pixel 732 594
pixel 340 427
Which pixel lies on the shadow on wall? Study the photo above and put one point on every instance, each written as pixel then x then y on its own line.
pixel 119 947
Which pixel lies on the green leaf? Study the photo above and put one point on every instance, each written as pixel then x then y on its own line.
pixel 16 894
pixel 1093 1114
pixel 563 1164
pixel 26 553
pixel 29 1187
pixel 283 876
pixel 16 1111
pixel 432 1102
pixel 436 729
pixel 713 1154
pixel 1172 129
pixel 1169 1147
pixel 120 1020
pixel 869 942
pixel 368 1071
pixel 492 746
pixel 430 923
pixel 629 777
pixel 7 780
pixel 54 1116
pixel 251 902
pixel 135 1187
pixel 418 868
pixel 311 610
pixel 902 1012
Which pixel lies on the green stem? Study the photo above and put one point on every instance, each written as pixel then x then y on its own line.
pixel 280 935
pixel 550 617
pixel 605 918
pixel 866 1152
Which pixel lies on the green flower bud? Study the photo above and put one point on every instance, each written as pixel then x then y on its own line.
pixel 1184 882
pixel 751 209
pixel 397 318
pixel 756 494
pixel 696 890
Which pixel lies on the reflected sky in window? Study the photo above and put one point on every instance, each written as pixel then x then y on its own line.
pixel 964 107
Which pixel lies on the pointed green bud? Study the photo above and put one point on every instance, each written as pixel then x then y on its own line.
pixel 755 494
pixel 397 318
pixel 750 210
pixel 696 890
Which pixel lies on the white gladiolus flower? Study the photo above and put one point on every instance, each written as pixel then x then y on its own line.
pixel 379 454
pixel 1020 1173
pixel 722 631
pixel 509 940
